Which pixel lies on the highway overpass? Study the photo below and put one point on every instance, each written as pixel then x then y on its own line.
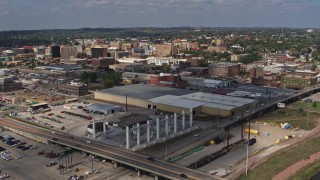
pixel 157 167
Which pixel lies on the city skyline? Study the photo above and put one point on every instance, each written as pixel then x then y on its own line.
pixel 71 14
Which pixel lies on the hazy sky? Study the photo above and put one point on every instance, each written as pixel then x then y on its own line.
pixel 56 14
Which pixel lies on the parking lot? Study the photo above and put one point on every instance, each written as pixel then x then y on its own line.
pixel 31 165
pixel 66 116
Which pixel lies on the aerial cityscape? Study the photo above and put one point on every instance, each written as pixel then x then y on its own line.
pixel 141 90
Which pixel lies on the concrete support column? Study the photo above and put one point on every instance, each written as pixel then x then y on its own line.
pixel 148 131
pixel 191 117
pixel 104 127
pixel 156 177
pixel 115 165
pixel 127 137
pixel 139 173
pixel 175 122
pixel 158 128
pixel 138 133
pixel 167 125
pixel 93 128
pixel 183 120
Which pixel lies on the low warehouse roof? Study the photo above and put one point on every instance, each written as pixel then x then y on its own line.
pixel 176 101
pixel 143 91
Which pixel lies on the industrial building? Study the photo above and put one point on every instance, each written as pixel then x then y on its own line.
pixel 7 84
pixel 5 72
pixel 224 70
pixel 177 100
pixel 137 76
pixel 61 67
pixel 104 108
pixel 78 89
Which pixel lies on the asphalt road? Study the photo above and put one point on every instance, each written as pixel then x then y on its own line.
pixel 139 161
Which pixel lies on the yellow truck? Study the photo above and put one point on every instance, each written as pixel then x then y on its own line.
pixel 252 131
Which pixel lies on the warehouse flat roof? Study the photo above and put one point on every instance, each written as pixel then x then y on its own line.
pixel 218 99
pixel 219 106
pixel 103 107
pixel 176 101
pixel 144 91
pixel 212 81
pixel 195 100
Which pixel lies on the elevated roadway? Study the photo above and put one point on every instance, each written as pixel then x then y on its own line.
pixel 229 121
pixel 140 162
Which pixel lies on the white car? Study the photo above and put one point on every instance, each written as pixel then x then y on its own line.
pixel 18 157
pixel 4 176
pixel 88 141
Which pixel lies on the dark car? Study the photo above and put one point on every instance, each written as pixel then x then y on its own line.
pixel 20 147
pixel 77 145
pixel 150 158
pixel 55 139
pixel 183 176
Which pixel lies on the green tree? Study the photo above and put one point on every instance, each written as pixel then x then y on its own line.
pixel 93 76
pixel 250 58
pixel 111 79
pixel 300 110
pixel 84 77
pixel 203 64
pixel 108 83
pixel 314 104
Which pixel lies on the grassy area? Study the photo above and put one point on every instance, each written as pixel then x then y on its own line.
pixel 282 160
pixel 298 118
pixel 307 172
pixel 302 104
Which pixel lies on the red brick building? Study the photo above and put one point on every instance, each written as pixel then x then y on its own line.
pixel 173 81
pixel 282 57
pixel 102 63
pixel 196 61
pixel 256 72
pixel 224 70
pixel 268 80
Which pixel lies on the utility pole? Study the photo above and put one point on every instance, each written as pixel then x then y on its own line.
pixel 247 161
pixel 241 130
pixel 308 117
pixel 126 102
pixel 228 137
pixel 92 166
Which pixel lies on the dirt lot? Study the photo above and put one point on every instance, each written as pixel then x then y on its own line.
pixel 266 139
pixel 39 95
